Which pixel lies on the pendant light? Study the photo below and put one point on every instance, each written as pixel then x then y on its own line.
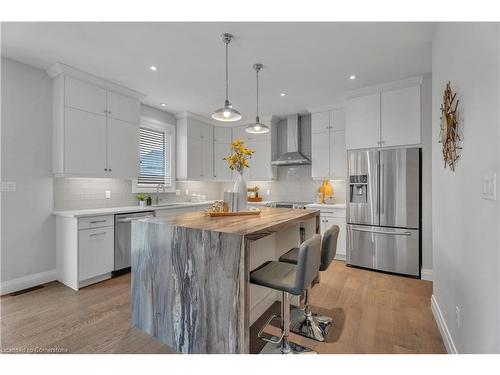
pixel 257 127
pixel 226 113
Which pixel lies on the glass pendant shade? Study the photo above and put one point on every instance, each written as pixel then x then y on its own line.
pixel 257 127
pixel 226 113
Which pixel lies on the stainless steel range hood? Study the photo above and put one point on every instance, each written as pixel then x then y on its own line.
pixel 293 156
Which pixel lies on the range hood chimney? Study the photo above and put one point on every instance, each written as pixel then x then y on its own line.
pixel 292 156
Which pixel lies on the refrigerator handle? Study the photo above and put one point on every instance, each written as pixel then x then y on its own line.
pixel 381 192
pixel 405 233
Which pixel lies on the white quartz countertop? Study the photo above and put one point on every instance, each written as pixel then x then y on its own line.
pixel 122 210
pixel 326 205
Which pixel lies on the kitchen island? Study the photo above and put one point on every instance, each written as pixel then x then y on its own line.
pixel 190 275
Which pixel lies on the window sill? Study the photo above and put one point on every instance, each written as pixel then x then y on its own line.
pixel 147 189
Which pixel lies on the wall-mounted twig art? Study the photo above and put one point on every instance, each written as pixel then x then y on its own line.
pixel 449 136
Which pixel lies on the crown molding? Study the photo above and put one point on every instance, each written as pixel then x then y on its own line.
pixel 325 108
pixel 60 68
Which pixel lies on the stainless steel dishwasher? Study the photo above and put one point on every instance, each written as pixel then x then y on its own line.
pixel 123 239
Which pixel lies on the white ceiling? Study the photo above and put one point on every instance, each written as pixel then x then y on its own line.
pixel 311 62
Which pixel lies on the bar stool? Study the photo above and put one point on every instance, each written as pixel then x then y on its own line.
pixel 304 322
pixel 289 279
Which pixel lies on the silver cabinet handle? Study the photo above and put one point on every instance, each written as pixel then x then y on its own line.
pixel 97 234
pixel 407 233
pixel 97 221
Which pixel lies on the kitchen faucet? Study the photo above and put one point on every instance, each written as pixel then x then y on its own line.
pixel 158 188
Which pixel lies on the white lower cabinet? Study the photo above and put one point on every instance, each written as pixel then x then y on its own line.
pixel 95 252
pixel 335 217
pixel 85 249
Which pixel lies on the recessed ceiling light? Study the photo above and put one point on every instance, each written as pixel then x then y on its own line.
pixel 153 68
pixel 283 94
pixel 163 104
pixel 352 77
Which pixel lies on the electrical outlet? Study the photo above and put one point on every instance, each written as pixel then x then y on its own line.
pixel 8 186
pixel 108 194
pixel 268 192
pixel 177 192
pixel 186 192
pixel 489 183
pixel 457 316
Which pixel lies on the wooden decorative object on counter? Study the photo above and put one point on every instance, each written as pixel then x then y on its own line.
pixel 235 213
pixel 255 199
pixel 449 135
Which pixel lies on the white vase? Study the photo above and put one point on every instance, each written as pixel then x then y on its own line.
pixel 240 187
pixel 142 203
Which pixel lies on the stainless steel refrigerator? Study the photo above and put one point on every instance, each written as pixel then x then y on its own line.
pixel 383 210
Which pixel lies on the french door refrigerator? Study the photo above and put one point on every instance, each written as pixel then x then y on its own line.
pixel 383 210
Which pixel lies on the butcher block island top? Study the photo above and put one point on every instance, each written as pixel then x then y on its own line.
pixel 190 275
pixel 269 220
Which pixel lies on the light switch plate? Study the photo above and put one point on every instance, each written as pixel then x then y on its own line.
pixel 108 194
pixel 489 186
pixel 177 192
pixel 8 186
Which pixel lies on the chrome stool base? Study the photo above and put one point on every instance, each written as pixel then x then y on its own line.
pixel 293 348
pixel 310 325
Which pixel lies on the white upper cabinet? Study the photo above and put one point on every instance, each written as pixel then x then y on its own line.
pixel 84 143
pixel 401 112
pixel 363 122
pixel 222 144
pixel 387 118
pixel 328 144
pixel 320 122
pixel 123 108
pixel 96 130
pixel 123 148
pixel 222 134
pixel 221 169
pixel 195 149
pixel 85 96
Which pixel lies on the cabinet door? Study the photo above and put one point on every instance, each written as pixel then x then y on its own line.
pixel 341 241
pixel 123 149
pixel 95 252
pixel 260 163
pixel 320 122
pixel 240 133
pixel 222 135
pixel 363 122
pixel 337 119
pixel 221 169
pixel 194 159
pixel 207 133
pixel 320 155
pixel 123 108
pixel 84 96
pixel 208 160
pixel 401 123
pixel 337 154
pixel 84 143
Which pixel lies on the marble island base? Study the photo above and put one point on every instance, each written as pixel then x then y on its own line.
pixel 190 286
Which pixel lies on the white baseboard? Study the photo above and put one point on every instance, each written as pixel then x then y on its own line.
pixel 426 274
pixel 445 333
pixel 29 281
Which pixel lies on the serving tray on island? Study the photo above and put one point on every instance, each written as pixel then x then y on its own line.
pixel 234 213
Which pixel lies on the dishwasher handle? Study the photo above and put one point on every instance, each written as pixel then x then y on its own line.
pixel 129 219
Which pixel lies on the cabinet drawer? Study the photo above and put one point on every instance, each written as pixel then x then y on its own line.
pixel 332 213
pixel 96 222
pixel 95 252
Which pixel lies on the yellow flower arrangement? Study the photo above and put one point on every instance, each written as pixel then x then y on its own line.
pixel 240 155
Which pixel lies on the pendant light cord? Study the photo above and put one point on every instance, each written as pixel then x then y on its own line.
pixel 257 93
pixel 227 77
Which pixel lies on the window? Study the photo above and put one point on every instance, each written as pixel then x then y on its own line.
pixel 155 158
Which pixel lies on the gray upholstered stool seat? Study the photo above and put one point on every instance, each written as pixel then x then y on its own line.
pixel 276 275
pixel 288 279
pixel 304 322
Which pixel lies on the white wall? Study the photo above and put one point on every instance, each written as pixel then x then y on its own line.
pixel 28 230
pixel 466 227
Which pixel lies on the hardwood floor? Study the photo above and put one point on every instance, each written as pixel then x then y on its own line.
pixel 372 313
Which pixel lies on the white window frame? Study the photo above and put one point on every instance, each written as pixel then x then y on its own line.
pixel 153 124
